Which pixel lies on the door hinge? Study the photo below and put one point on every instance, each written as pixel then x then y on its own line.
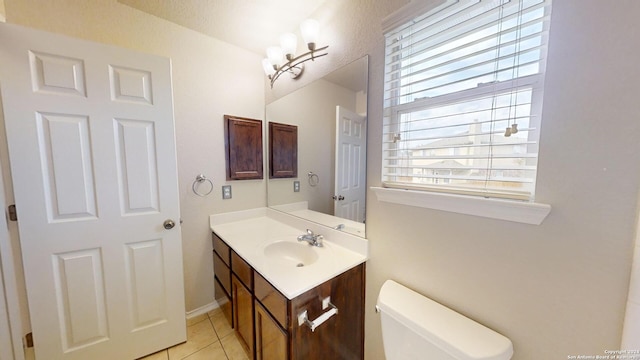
pixel 28 340
pixel 13 215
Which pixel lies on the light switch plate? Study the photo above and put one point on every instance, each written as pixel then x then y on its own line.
pixel 226 192
pixel 296 186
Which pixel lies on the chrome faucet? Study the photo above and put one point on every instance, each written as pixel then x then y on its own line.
pixel 311 238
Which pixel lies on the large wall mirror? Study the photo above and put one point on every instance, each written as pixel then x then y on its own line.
pixel 331 117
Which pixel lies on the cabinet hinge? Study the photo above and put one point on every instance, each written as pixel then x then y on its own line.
pixel 13 215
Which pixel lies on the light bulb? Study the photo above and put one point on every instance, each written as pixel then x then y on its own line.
pixel 289 44
pixel 268 68
pixel 275 55
pixel 310 29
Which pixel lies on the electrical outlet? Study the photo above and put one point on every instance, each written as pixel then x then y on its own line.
pixel 226 192
pixel 296 186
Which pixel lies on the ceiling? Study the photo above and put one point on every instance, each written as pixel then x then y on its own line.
pixel 250 24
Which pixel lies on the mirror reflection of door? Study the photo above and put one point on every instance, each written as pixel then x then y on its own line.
pixel 350 190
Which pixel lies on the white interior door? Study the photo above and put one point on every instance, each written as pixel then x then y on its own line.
pixel 92 150
pixel 350 183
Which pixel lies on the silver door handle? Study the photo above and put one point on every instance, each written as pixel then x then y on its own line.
pixel 169 224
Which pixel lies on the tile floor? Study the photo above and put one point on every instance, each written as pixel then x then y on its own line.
pixel 210 337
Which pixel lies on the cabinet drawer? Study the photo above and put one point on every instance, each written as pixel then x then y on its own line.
pixel 222 249
pixel 242 270
pixel 271 299
pixel 222 273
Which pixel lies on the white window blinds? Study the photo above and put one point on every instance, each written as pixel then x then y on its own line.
pixel 463 98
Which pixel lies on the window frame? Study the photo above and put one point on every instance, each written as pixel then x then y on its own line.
pixel 461 200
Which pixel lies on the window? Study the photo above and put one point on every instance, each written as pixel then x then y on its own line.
pixel 463 98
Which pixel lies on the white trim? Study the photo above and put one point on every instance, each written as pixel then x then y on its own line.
pixel 509 210
pixel 6 346
pixel 8 272
pixel 408 12
pixel 202 310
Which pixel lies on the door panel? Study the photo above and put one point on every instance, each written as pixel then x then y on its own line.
pixel 137 173
pixel 350 187
pixel 65 151
pixel 145 265
pixel 81 298
pixel 92 150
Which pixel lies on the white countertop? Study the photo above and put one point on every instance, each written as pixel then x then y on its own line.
pixel 249 232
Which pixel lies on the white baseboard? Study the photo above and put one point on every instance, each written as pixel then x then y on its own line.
pixel 202 310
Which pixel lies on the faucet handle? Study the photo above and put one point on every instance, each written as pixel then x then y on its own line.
pixel 309 232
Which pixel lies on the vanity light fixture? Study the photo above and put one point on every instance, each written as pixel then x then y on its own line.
pixel 282 59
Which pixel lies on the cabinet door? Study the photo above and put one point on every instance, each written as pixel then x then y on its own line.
pixel 242 313
pixel 283 150
pixel 342 335
pixel 243 142
pixel 271 340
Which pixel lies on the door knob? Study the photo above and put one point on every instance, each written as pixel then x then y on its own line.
pixel 338 197
pixel 169 224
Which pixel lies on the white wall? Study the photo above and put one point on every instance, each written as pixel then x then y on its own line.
pixel 557 289
pixel 313 110
pixel 210 79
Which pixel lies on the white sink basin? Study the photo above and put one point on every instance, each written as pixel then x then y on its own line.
pixel 295 254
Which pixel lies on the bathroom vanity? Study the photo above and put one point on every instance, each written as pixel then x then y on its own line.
pixel 287 299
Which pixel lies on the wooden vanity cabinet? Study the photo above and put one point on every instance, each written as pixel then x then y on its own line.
pixel 222 279
pixel 340 337
pixel 242 298
pixel 243 313
pixel 271 339
pixel 267 322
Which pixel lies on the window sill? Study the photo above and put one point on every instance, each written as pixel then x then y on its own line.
pixel 509 210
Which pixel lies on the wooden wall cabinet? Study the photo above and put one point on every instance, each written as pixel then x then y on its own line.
pixel 274 332
pixel 243 148
pixel 283 150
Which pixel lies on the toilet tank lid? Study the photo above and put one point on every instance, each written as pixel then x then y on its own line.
pixel 452 332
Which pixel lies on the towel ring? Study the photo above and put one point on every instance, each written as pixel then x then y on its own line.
pixel 199 180
pixel 314 180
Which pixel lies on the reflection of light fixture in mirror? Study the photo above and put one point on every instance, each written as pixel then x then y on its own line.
pixel 282 59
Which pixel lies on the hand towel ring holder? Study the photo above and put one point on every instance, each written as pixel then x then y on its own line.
pixel 314 180
pixel 199 180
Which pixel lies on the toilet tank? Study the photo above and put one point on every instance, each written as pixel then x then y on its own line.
pixel 416 327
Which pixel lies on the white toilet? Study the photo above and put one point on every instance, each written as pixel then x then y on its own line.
pixel 416 327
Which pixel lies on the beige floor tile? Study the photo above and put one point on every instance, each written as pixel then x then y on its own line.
pixel 197 319
pixel 233 348
pixel 214 311
pixel 199 336
pixel 221 324
pixel 160 355
pixel 211 352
